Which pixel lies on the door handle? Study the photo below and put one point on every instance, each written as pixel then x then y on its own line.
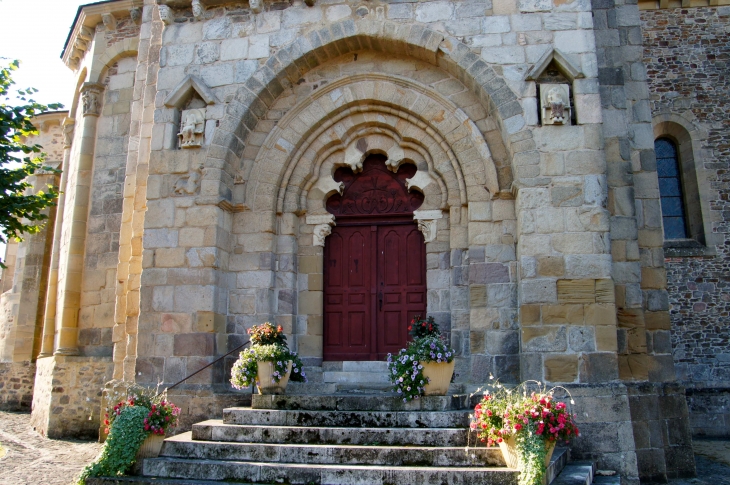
pixel 381 300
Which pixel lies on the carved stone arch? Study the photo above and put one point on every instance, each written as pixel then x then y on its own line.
pixel 286 146
pixel 288 65
pixel 124 48
pixel 80 80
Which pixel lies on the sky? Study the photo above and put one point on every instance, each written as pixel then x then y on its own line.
pixel 34 31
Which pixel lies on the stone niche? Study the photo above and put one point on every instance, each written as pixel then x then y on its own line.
pixel 190 100
pixel 555 104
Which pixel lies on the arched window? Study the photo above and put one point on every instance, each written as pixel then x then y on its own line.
pixel 670 189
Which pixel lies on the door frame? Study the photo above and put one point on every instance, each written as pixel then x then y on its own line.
pixel 375 222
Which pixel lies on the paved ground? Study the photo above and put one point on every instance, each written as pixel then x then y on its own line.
pixel 27 458
pixel 31 459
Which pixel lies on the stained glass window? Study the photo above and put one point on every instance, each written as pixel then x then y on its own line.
pixel 670 189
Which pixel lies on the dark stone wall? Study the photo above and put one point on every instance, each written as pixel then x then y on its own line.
pixel 687 54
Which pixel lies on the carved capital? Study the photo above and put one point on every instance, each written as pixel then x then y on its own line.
pixel 322 227
pixel 428 228
pixel 427 224
pixel 91 98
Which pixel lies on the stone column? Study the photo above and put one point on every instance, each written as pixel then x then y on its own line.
pixel 69 287
pixel 49 322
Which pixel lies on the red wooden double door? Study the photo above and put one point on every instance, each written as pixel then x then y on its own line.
pixel 374 265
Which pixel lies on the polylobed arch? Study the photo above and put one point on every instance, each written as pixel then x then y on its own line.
pixel 286 67
pixel 286 137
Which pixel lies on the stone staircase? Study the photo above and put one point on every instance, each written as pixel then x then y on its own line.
pixel 334 440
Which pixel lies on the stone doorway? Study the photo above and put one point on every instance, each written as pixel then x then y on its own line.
pixel 374 263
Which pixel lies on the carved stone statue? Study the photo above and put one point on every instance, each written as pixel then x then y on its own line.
pixel 198 10
pixel 555 102
pixel 557 106
pixel 192 128
pixel 110 22
pixel 136 15
pixel 257 6
pixel 165 14
pixel 188 184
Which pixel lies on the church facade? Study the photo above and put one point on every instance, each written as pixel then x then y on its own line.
pixel 546 178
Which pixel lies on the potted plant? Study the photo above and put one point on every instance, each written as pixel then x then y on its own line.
pixel 136 428
pixel 526 422
pixel 268 363
pixel 426 366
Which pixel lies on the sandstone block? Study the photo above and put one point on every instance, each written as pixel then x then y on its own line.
pixel 530 315
pixel 434 11
pixel 550 266
pixel 576 291
pixel 476 342
pixel 605 291
pixel 477 296
pixel 310 302
pixel 169 257
pixel 657 320
pixel 561 368
pixel 544 339
pixel 564 313
pixel 194 344
pixel 234 49
pixel 606 338
pixel 600 314
pixel 653 278
pixel 480 211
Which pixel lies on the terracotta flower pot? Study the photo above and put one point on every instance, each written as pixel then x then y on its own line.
pixel 151 446
pixel 440 375
pixel 512 457
pixel 265 381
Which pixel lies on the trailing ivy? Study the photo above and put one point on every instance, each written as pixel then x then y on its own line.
pixel 531 448
pixel 119 452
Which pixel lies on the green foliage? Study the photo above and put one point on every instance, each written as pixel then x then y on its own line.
pixel 120 449
pixel 531 449
pixel 245 369
pixel 20 213
pixel 406 370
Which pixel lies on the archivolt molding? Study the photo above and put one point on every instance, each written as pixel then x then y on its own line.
pixel 305 133
pixel 315 48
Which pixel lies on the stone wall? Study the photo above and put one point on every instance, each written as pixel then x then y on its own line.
pixel 67 396
pixel 16 385
pixel 686 53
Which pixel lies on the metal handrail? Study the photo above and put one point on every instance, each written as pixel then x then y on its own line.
pixel 216 360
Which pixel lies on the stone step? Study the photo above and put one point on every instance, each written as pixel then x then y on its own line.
pixel 376 366
pixel 351 402
pixel 158 481
pixel 579 473
pixel 216 430
pixel 183 446
pixel 347 419
pixel 326 474
pixel 355 377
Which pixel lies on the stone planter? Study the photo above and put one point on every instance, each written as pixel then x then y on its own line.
pixel 264 382
pixel 151 447
pixel 512 457
pixel 439 374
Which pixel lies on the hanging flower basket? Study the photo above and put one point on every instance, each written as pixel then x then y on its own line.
pixel 269 381
pixel 438 376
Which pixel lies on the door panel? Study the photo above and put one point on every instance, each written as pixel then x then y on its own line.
pixel 401 279
pixel 348 276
